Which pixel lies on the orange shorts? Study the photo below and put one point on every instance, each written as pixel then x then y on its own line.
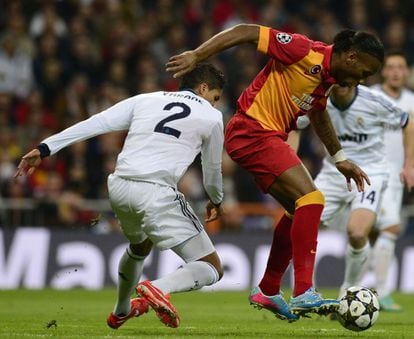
pixel 264 153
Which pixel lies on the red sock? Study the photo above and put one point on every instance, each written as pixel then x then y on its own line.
pixel 279 257
pixel 304 241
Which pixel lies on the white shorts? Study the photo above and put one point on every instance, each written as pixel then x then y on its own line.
pixel 390 208
pixel 339 202
pixel 149 210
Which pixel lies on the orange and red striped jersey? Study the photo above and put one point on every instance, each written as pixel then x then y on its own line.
pixel 294 81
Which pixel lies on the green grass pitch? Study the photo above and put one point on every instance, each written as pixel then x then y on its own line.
pixel 82 314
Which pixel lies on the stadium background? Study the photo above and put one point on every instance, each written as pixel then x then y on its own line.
pixel 63 61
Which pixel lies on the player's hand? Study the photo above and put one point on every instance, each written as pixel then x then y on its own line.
pixel 213 211
pixel 352 171
pixel 181 64
pixel 407 177
pixel 29 163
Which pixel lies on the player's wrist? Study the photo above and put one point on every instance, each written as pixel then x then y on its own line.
pixel 339 156
pixel 44 150
pixel 217 205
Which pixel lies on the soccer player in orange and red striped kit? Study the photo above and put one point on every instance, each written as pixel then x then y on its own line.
pixel 295 81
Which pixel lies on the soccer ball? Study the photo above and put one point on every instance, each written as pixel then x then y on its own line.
pixel 358 309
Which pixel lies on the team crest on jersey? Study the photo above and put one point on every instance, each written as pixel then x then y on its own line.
pixel 360 122
pixel 315 69
pixel 283 38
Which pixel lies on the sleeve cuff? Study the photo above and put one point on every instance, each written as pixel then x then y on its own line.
pixel 44 150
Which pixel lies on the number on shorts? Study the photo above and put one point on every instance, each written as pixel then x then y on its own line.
pixel 370 197
pixel 161 128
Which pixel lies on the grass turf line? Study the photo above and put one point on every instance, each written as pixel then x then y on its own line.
pixel 82 314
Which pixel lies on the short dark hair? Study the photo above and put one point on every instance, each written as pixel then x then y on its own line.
pixel 203 72
pixel 360 41
pixel 396 52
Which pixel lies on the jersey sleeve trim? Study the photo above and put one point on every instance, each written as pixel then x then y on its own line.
pixel 263 43
pixel 404 119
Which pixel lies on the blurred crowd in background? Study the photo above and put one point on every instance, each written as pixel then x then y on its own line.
pixel 63 61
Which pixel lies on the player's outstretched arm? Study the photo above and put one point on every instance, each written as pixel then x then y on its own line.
pixel 407 173
pixel 29 163
pixel 321 123
pixel 185 62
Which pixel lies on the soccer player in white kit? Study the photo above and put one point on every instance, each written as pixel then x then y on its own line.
pixel 360 117
pixel 166 131
pixel 395 73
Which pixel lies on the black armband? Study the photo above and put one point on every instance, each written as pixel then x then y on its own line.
pixel 44 150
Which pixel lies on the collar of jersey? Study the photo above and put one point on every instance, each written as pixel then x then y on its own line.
pixel 342 109
pixel 188 89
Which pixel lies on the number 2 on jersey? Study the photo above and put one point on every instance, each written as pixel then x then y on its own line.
pixel 161 128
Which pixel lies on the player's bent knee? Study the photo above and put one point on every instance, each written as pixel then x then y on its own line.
pixel 220 272
pixel 357 239
pixel 214 260
pixel 141 249
pixel 312 198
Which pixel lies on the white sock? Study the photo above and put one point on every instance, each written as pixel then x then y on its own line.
pixel 383 256
pixel 356 264
pixel 130 268
pixel 191 276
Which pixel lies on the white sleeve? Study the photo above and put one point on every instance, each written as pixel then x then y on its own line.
pixel 302 122
pixel 211 155
pixel 115 118
pixel 392 116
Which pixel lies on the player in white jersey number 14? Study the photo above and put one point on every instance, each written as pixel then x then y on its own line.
pixel 166 131
pixel 360 117
pixel 388 227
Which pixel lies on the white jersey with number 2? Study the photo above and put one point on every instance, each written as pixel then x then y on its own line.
pixel 166 131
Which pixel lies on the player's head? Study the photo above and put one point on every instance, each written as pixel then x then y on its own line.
pixel 395 70
pixel 206 80
pixel 356 56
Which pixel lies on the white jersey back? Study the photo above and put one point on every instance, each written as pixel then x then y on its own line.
pixel 166 131
pixel 393 138
pixel 360 128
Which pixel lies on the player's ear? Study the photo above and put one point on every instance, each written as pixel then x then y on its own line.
pixel 202 89
pixel 351 57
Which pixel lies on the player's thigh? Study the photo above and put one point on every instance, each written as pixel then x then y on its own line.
pixel 335 213
pixel 198 247
pixel 131 220
pixel 389 213
pixel 263 153
pixel 365 207
pixel 372 195
pixel 360 223
pixel 293 183
pixel 169 219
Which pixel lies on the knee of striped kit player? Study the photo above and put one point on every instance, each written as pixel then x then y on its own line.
pixel 203 273
pixel 312 198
